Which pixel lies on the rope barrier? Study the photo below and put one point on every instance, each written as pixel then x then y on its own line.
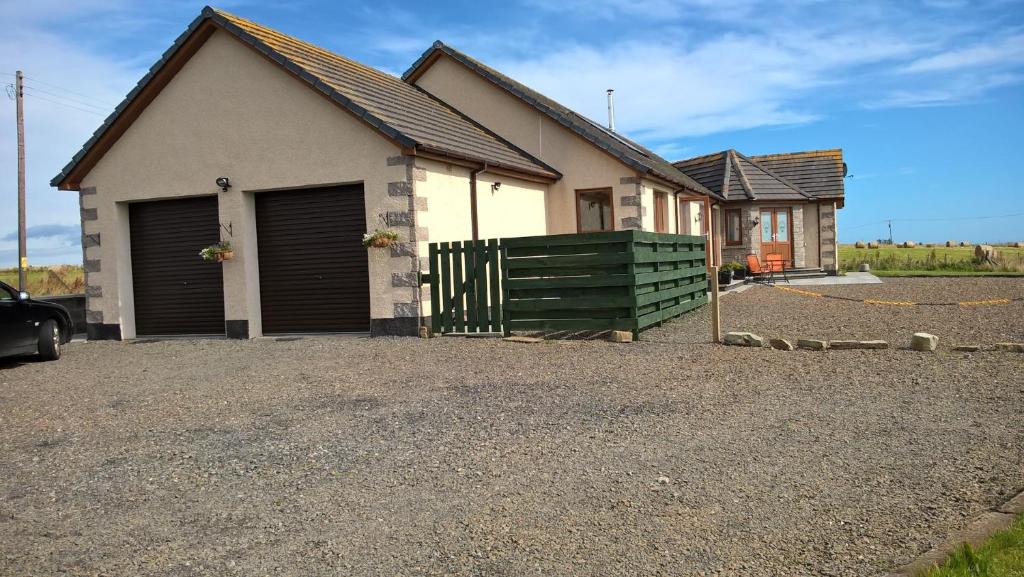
pixel 813 294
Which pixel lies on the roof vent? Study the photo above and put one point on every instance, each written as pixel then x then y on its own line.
pixel 611 109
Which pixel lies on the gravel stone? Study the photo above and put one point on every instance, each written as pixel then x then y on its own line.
pixel 780 344
pixel 1010 347
pixel 843 345
pixel 620 336
pixel 967 348
pixel 449 456
pixel 739 339
pixel 811 344
pixel 924 342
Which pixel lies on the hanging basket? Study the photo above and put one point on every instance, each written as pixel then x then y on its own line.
pixel 380 239
pixel 225 255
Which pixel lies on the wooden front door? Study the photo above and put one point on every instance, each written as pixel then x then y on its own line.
pixel 776 237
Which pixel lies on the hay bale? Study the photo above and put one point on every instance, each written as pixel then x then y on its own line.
pixel 873 244
pixel 1018 245
pixel 859 244
pixel 986 253
pixel 964 243
pixel 908 244
pixel 951 243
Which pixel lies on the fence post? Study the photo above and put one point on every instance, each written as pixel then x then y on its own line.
pixel 716 321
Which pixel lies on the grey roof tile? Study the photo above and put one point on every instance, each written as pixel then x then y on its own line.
pixel 737 177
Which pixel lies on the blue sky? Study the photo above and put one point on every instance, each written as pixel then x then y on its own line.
pixel 926 97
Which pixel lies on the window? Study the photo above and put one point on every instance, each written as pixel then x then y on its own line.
pixel 660 211
pixel 733 226
pixel 594 211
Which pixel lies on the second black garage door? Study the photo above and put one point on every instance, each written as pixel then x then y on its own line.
pixel 176 291
pixel 314 275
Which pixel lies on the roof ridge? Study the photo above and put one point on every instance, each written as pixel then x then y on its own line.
pixel 744 182
pixel 818 152
pixel 773 175
pixel 320 49
pixel 703 156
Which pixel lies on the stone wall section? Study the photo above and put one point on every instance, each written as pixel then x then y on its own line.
pixel 827 236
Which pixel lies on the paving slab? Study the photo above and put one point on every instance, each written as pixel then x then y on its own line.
pixel 850 278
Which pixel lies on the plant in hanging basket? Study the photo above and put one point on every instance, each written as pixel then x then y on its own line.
pixel 380 238
pixel 219 252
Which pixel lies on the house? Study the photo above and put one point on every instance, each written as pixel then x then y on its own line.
pixel 778 203
pixel 291 153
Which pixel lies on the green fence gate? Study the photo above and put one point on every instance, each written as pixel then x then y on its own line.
pixel 622 280
pixel 465 294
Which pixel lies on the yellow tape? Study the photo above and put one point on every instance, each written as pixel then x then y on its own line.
pixel 801 292
pixel 896 303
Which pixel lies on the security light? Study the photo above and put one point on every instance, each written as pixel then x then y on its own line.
pixel 495 186
pixel 224 183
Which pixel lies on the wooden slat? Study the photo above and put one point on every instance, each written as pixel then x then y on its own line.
pixel 469 270
pixel 435 289
pixel 569 239
pixel 480 256
pixel 447 324
pixel 494 285
pixel 569 303
pixel 623 324
pixel 571 282
pixel 504 288
pixel 458 290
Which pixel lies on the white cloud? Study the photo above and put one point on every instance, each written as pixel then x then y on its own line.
pixel 997 51
pixel 57 122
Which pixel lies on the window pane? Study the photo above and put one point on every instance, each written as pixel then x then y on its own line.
pixel 595 209
pixel 733 226
pixel 782 226
pixel 766 226
pixel 660 212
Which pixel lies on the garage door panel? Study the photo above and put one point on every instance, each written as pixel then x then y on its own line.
pixel 314 273
pixel 176 292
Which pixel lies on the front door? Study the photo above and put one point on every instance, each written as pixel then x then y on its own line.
pixel 775 233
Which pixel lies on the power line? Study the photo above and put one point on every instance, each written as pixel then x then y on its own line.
pixel 69 106
pixel 68 98
pixel 952 218
pixel 59 87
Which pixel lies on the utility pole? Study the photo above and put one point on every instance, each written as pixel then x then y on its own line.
pixel 19 98
pixel 890 231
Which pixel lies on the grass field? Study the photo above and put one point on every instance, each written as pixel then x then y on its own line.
pixel 48 280
pixel 1001 555
pixel 930 261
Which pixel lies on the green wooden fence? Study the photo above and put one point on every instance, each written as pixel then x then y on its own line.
pixel 623 280
pixel 465 294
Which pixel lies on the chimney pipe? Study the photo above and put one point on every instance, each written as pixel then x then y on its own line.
pixel 611 109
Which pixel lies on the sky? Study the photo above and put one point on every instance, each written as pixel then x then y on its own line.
pixel 925 97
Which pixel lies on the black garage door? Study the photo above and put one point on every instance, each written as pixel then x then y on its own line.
pixel 176 291
pixel 314 275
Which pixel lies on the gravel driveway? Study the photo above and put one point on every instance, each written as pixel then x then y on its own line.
pixel 346 456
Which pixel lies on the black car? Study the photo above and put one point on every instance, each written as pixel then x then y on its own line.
pixel 28 326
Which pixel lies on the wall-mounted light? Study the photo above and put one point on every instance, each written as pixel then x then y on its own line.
pixel 495 186
pixel 224 183
pixel 754 221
